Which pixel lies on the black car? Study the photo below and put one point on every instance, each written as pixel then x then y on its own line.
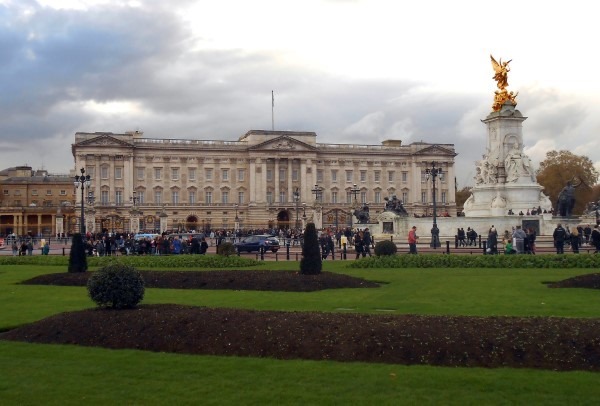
pixel 254 242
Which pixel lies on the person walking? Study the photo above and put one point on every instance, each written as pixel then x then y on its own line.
pixel 559 235
pixel 358 244
pixel 367 241
pixel 412 240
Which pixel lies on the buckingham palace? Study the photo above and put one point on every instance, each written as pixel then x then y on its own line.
pixel 265 179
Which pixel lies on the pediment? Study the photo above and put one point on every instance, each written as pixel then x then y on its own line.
pixel 436 150
pixel 104 141
pixel 283 143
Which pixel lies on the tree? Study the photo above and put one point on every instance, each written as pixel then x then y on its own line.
pixel 311 263
pixel 77 257
pixel 561 167
pixel 462 196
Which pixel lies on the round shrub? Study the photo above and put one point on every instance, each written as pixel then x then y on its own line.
pixel 385 247
pixel 311 262
pixel 116 285
pixel 226 249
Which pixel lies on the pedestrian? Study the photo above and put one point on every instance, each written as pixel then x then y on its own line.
pixel 15 248
pixel 367 242
pixel 358 245
pixel 531 237
pixel 559 235
pixel 412 240
pixel 492 241
pixel 574 239
pixel 595 238
pixel 519 237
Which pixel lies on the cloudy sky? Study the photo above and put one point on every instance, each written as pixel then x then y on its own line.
pixel 352 71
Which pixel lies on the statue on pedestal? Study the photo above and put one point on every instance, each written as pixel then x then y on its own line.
pixel 362 214
pixel 502 96
pixel 394 205
pixel 566 200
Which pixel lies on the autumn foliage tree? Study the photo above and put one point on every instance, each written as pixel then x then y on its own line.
pixel 561 167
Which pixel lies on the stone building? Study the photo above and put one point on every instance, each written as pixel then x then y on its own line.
pixel 35 202
pixel 265 179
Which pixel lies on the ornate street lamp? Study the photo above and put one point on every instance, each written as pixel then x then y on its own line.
pixel 354 192
pixel 84 181
pixel 317 191
pixel 297 201
pixel 236 226
pixel 434 172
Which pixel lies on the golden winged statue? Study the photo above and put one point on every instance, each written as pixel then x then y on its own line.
pixel 501 96
pixel 501 69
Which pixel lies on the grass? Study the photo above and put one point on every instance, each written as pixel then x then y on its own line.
pixel 52 374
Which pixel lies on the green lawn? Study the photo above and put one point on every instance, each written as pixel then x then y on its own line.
pixel 52 374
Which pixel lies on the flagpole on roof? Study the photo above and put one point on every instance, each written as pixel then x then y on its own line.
pixel 272 111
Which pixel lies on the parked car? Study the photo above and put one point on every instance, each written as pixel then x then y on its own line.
pixel 254 242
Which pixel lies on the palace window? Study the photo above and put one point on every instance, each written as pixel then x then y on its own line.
pixel 192 174
pixel 241 198
pixel 390 176
pixel 104 172
pixel 175 197
pixel 377 176
pixel 157 173
pixel 224 196
pixel 241 175
pixel 118 172
pixel 208 174
pixel 192 196
pixel 349 176
pixel 334 175
pixel 363 176
pixel 141 173
pixel 174 173
pixel 377 197
pixel 157 196
pixel 208 197
pixel 225 175
pixel 119 197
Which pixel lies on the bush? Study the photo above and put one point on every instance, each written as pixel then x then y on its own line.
pixel 226 249
pixel 78 255
pixel 311 263
pixel 116 285
pixel 385 247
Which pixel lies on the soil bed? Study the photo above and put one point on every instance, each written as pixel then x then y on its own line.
pixel 236 280
pixel 589 281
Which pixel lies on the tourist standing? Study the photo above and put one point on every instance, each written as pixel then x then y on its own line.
pixel 492 241
pixel 412 240
pixel 559 235
pixel 574 239
pixel 595 238
pixel 519 237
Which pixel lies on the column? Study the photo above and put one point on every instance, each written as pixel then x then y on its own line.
pixel 263 189
pixel 304 192
pixel 39 225
pixel 252 178
pixel 111 180
pixel 276 177
pixel 290 184
pixel 128 172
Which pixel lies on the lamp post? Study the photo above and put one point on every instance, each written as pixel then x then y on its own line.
pixel 317 191
pixel 303 215
pixel 236 226
pixel 84 181
pixel 134 222
pixel 434 172
pixel 354 192
pixel 297 201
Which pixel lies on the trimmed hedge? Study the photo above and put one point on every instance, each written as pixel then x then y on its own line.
pixel 116 286
pixel 146 261
pixel 385 247
pixel 479 261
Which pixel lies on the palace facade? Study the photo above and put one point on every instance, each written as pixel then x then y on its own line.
pixel 34 202
pixel 266 179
